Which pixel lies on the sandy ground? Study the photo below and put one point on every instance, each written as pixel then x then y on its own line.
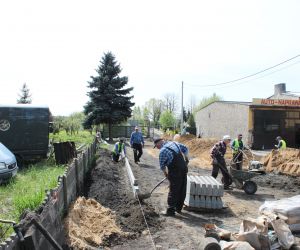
pixel 109 186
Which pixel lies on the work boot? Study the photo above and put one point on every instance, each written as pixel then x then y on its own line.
pixel 168 212
pixel 227 188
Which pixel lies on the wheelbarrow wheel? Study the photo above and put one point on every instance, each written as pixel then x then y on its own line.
pixel 250 187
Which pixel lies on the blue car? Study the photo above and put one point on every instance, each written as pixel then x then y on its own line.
pixel 8 164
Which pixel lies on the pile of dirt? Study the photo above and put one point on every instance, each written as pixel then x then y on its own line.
pixel 200 148
pixel 283 161
pixel 281 182
pixel 109 185
pixel 89 225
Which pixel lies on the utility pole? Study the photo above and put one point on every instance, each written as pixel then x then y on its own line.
pixel 181 124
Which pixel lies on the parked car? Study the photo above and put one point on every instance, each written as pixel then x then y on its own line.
pixel 8 164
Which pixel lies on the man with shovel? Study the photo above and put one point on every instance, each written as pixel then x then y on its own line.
pixel 218 163
pixel 173 160
pixel 237 147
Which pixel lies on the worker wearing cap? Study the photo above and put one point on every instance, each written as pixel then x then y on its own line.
pixel 173 160
pixel 281 143
pixel 137 143
pixel 119 150
pixel 237 147
pixel 218 163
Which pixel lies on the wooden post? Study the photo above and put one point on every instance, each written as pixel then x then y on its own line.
pixel 84 163
pixel 65 190
pixel 77 177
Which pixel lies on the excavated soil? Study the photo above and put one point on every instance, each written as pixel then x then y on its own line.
pixel 89 225
pixel 284 161
pixel 109 185
pixel 199 149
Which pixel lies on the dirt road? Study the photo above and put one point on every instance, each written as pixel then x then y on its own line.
pixel 110 187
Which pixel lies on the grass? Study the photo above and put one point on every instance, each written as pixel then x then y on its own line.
pixel 27 190
pixel 82 137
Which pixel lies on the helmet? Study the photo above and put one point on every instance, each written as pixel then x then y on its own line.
pixel 278 138
pixel 121 139
pixel 226 137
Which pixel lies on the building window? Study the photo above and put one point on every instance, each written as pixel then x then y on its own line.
pixel 209 115
pixel 293 115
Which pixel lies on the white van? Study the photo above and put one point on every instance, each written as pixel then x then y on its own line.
pixel 8 164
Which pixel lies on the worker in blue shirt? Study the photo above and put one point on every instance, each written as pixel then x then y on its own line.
pixel 173 160
pixel 137 143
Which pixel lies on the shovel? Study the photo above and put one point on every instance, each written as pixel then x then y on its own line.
pixel 148 195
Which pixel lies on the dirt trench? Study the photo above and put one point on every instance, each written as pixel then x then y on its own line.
pixel 109 185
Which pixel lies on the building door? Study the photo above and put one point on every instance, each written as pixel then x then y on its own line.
pixel 267 126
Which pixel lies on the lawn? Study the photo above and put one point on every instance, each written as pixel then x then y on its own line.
pixel 82 137
pixel 27 189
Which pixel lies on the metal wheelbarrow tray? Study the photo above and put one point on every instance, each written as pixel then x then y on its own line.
pixel 242 180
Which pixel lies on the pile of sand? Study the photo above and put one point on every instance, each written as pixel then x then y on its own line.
pixel 89 225
pixel 284 161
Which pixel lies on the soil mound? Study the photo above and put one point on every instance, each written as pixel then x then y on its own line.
pixel 200 148
pixel 283 161
pixel 109 185
pixel 89 225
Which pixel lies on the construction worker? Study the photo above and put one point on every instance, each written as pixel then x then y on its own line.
pixel 281 143
pixel 237 147
pixel 137 143
pixel 119 150
pixel 173 160
pixel 218 161
pixel 98 136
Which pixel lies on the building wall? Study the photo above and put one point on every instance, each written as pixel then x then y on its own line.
pixel 221 118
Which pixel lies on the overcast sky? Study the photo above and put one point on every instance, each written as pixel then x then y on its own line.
pixel 55 46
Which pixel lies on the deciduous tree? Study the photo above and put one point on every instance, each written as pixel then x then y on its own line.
pixel 167 119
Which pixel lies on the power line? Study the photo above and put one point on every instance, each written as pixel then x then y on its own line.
pixel 247 76
pixel 250 80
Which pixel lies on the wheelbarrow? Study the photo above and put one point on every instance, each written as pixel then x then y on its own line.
pixel 242 180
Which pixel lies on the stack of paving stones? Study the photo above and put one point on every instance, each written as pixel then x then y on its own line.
pixel 203 192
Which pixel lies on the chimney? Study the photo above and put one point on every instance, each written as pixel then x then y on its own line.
pixel 279 89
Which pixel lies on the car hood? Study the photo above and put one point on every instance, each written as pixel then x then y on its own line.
pixel 6 155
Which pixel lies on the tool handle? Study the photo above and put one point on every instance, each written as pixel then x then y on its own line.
pixel 158 184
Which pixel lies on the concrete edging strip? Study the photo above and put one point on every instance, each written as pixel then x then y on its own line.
pixel 132 179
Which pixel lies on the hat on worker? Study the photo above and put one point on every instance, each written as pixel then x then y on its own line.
pixel 278 138
pixel 156 141
pixel 136 127
pixel 226 137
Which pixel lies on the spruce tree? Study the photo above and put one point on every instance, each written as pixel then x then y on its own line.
pixel 109 101
pixel 25 97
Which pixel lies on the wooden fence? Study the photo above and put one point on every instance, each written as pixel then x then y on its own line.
pixel 55 205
